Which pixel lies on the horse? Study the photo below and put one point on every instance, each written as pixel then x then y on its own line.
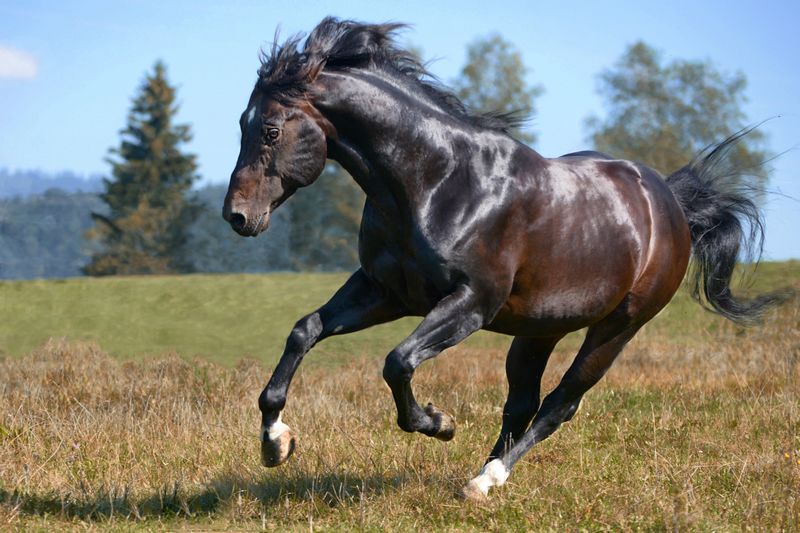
pixel 470 229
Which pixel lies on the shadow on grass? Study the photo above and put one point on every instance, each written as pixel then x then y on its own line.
pixel 334 490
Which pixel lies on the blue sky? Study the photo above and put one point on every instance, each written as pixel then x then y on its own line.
pixel 69 69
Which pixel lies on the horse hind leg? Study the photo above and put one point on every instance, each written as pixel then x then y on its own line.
pixel 603 343
pixel 525 365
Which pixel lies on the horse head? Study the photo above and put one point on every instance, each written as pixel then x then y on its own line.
pixel 284 136
pixel 283 148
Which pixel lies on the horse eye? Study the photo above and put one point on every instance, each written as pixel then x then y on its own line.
pixel 272 134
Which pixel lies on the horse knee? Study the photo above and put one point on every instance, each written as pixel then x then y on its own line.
pixel 396 368
pixel 304 334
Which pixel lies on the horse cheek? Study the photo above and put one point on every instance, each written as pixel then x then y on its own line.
pixel 308 156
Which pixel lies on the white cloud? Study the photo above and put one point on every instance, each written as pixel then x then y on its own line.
pixel 17 64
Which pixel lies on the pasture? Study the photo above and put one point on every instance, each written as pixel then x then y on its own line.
pixel 130 403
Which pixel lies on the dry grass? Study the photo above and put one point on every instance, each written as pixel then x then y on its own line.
pixel 701 436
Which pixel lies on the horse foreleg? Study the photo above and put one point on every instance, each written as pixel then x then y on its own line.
pixel 451 321
pixel 358 304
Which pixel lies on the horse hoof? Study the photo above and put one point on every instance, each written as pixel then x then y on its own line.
pixel 474 493
pixel 275 452
pixel 493 474
pixel 445 424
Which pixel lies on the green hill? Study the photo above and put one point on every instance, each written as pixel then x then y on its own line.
pixel 226 317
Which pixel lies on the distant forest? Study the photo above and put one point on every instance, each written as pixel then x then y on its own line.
pixel 44 219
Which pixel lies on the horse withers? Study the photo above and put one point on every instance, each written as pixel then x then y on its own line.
pixel 471 229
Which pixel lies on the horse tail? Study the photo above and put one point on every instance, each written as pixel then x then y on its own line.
pixel 724 220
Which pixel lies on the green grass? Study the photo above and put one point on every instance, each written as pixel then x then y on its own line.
pixel 218 317
pixel 695 427
pixel 226 317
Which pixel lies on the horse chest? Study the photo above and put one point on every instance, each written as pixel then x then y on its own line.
pixel 414 273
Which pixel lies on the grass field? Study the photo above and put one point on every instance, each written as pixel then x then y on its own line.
pixel 218 318
pixel 225 318
pixel 697 426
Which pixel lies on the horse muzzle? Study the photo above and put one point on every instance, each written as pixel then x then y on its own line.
pixel 244 224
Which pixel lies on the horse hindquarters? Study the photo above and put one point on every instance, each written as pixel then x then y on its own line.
pixel 658 281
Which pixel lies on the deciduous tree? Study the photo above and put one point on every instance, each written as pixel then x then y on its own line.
pixel 493 80
pixel 325 218
pixel 662 113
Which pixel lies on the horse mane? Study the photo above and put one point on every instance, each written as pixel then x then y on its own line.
pixel 288 70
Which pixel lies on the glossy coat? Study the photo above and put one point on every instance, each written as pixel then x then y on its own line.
pixel 463 225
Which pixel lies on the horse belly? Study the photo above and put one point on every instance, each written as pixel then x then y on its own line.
pixel 584 252
pixel 539 306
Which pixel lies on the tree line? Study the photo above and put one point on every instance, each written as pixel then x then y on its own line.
pixel 44 236
pixel 148 218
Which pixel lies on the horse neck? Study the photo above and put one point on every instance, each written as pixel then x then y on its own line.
pixel 393 140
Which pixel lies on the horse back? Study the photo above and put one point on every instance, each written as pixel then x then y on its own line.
pixel 594 225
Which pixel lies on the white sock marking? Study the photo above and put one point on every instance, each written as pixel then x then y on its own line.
pixel 274 431
pixel 494 474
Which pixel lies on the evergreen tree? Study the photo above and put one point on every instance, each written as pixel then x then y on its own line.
pixel 149 212
pixel 493 80
pixel 662 114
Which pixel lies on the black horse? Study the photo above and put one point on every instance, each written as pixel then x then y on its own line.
pixel 470 229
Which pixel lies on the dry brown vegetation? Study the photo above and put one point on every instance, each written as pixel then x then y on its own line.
pixel 677 436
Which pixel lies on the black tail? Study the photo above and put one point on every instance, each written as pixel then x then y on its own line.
pixel 723 220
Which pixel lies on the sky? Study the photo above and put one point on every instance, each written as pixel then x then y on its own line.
pixel 68 69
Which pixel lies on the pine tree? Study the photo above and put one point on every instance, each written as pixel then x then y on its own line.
pixel 149 213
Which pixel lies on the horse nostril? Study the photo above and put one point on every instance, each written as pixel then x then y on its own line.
pixel 238 221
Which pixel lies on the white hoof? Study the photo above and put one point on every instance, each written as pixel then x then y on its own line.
pixel 493 474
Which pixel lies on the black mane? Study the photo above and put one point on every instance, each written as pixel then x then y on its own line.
pixel 287 71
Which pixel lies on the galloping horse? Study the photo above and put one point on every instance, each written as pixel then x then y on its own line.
pixel 470 229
